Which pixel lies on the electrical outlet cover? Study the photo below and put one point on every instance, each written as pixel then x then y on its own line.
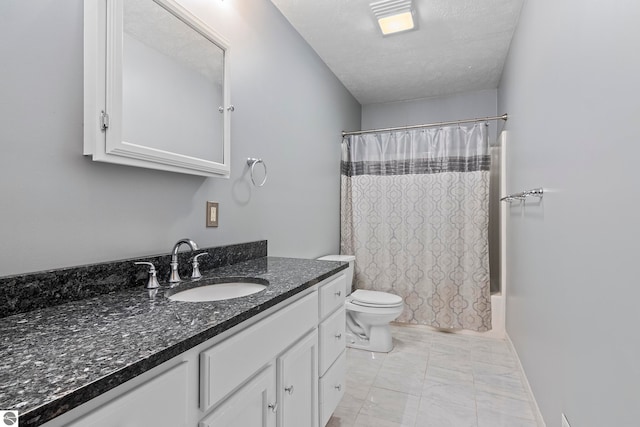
pixel 212 214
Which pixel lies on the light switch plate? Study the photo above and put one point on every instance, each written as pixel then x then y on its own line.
pixel 212 214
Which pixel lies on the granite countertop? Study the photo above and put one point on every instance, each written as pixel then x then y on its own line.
pixel 56 358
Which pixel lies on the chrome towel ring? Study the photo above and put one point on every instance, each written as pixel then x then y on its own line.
pixel 252 164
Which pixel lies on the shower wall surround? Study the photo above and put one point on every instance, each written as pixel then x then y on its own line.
pixel 60 209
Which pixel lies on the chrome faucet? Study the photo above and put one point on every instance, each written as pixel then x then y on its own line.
pixel 175 277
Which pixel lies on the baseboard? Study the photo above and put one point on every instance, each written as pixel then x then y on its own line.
pixel 527 386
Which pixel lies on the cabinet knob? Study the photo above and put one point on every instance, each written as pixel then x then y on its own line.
pixel 338 336
pixel 289 389
pixel 338 387
pixel 338 293
pixel 273 407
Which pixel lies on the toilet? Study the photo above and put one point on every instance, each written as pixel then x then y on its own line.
pixel 368 313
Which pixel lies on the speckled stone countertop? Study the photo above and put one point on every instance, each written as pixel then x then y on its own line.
pixel 54 359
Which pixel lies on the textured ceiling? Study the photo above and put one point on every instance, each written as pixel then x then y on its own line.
pixel 460 46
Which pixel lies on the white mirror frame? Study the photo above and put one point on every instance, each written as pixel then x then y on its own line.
pixel 103 29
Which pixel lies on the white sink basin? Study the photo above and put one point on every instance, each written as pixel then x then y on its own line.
pixel 218 292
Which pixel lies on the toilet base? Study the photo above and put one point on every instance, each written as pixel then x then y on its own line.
pixel 379 340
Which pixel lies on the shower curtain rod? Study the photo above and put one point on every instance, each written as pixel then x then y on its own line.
pixel 429 125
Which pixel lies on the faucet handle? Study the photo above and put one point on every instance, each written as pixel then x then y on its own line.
pixel 195 274
pixel 153 280
pixel 195 258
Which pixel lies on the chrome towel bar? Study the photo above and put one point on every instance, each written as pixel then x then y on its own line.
pixel 536 192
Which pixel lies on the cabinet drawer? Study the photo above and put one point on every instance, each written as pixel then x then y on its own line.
pixel 332 339
pixel 229 363
pixel 332 295
pixel 332 386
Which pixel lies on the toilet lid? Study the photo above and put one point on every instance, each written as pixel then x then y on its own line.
pixel 375 298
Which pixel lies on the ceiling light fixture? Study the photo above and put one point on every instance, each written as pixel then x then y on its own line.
pixel 394 16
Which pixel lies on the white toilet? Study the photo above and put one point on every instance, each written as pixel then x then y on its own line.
pixel 368 313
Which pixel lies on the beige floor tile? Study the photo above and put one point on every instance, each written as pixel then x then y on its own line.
pixel 348 409
pixel 361 359
pixel 336 421
pixel 492 358
pixel 437 413
pixel 417 362
pixel 404 378
pixel 391 405
pixel 487 373
pixel 434 379
pixel 454 361
pixel 504 405
pixel 452 376
pixel 448 393
pixel 357 389
pixel 488 418
pixel 410 345
pixel 504 386
pixel 369 421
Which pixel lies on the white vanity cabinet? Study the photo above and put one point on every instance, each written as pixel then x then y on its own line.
pixel 253 405
pixel 142 405
pixel 282 368
pixel 332 355
pixel 284 394
pixel 227 365
pixel 286 343
pixel 298 384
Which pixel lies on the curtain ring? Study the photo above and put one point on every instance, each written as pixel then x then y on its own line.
pixel 252 164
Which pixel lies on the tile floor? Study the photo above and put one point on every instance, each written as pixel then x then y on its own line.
pixel 434 379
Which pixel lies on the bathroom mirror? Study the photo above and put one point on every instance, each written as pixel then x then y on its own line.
pixel 156 88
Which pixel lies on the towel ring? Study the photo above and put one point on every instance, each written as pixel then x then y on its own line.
pixel 252 164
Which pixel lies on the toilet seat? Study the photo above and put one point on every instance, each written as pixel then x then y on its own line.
pixel 366 298
pixel 377 310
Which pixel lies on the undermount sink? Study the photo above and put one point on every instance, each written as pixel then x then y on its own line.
pixel 218 291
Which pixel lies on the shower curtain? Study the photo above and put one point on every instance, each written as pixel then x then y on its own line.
pixel 414 212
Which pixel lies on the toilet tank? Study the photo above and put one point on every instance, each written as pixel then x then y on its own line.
pixel 349 271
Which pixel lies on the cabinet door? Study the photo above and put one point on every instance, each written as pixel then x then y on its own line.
pixel 232 362
pixel 161 402
pixel 254 405
pixel 298 384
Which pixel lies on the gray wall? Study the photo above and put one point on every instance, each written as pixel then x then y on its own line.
pixel 466 105
pixel 61 209
pixel 571 89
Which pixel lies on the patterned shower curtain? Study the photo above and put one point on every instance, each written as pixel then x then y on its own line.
pixel 414 212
